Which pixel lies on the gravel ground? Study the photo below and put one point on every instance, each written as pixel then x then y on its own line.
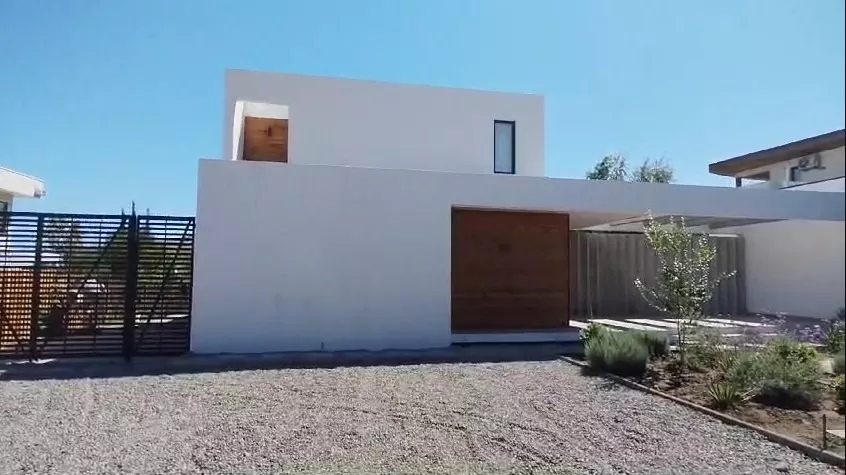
pixel 452 418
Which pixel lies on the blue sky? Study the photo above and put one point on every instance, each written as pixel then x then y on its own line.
pixel 114 101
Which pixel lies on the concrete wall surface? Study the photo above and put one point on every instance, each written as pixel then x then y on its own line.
pixel 795 267
pixel 333 121
pixel 314 257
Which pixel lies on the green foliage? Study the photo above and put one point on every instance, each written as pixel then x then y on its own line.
pixel 838 363
pixel 785 373
pixel 615 168
pixel 727 395
pixel 611 167
pixel 787 349
pixel 710 350
pixel 592 332
pixel 656 343
pixel 620 353
pixel 840 388
pixel 684 284
pixel 653 171
pixel 835 333
pixel 745 371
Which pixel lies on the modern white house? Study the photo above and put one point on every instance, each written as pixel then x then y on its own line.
pixel 359 215
pixel 17 185
pixel 815 163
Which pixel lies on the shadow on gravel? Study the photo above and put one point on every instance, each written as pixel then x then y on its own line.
pixel 604 384
pixel 117 368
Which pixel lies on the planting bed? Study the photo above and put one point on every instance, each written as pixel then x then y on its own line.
pixel 802 425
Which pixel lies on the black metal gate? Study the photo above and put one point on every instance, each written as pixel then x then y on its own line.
pixel 94 285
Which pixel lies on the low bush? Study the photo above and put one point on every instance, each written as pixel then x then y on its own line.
pixel 656 343
pixel 744 371
pixel 620 353
pixel 838 363
pixel 726 395
pixel 711 351
pixel 787 349
pixel 785 374
pixel 592 332
pixel 790 375
pixel 840 388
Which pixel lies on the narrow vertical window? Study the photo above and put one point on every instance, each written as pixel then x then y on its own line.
pixel 4 208
pixel 504 149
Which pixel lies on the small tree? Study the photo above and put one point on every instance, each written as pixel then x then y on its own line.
pixel 684 284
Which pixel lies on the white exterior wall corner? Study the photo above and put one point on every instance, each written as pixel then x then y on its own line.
pixel 382 125
pixel 308 258
pixel 795 267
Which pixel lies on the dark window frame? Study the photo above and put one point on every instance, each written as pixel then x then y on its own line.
pixel 4 209
pixel 513 125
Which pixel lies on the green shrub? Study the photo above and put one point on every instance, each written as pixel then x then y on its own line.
pixel 790 375
pixel 620 353
pixel 787 349
pixel 726 395
pixel 838 363
pixel 785 374
pixel 840 388
pixel 592 332
pixel 744 371
pixel 790 389
pixel 656 343
pixel 710 350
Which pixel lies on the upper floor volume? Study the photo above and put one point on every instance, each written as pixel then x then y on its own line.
pixel 815 163
pixel 315 120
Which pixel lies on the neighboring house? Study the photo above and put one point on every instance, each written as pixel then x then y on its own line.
pixel 16 185
pixel 800 263
pixel 813 164
pixel 365 215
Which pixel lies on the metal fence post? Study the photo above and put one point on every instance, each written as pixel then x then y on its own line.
pixel 131 287
pixel 35 304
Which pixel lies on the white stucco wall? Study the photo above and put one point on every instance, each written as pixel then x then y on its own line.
pixel 375 124
pixel 292 257
pixel 795 267
pixel 833 161
pixel 837 184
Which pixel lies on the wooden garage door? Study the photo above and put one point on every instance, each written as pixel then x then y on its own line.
pixel 510 270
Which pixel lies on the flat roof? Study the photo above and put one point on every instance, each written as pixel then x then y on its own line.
pixel 20 185
pixel 782 153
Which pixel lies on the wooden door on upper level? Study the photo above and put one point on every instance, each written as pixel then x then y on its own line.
pixel 265 140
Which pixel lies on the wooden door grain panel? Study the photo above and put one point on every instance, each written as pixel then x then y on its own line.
pixel 510 270
pixel 265 139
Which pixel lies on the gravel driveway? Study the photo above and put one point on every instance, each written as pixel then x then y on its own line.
pixel 539 417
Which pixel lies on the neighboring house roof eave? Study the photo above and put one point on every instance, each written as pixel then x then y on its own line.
pixel 782 153
pixel 20 185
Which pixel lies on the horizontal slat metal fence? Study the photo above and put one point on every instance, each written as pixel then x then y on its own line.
pixel 73 285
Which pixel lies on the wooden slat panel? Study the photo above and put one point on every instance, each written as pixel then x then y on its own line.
pixel 266 139
pixel 510 270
